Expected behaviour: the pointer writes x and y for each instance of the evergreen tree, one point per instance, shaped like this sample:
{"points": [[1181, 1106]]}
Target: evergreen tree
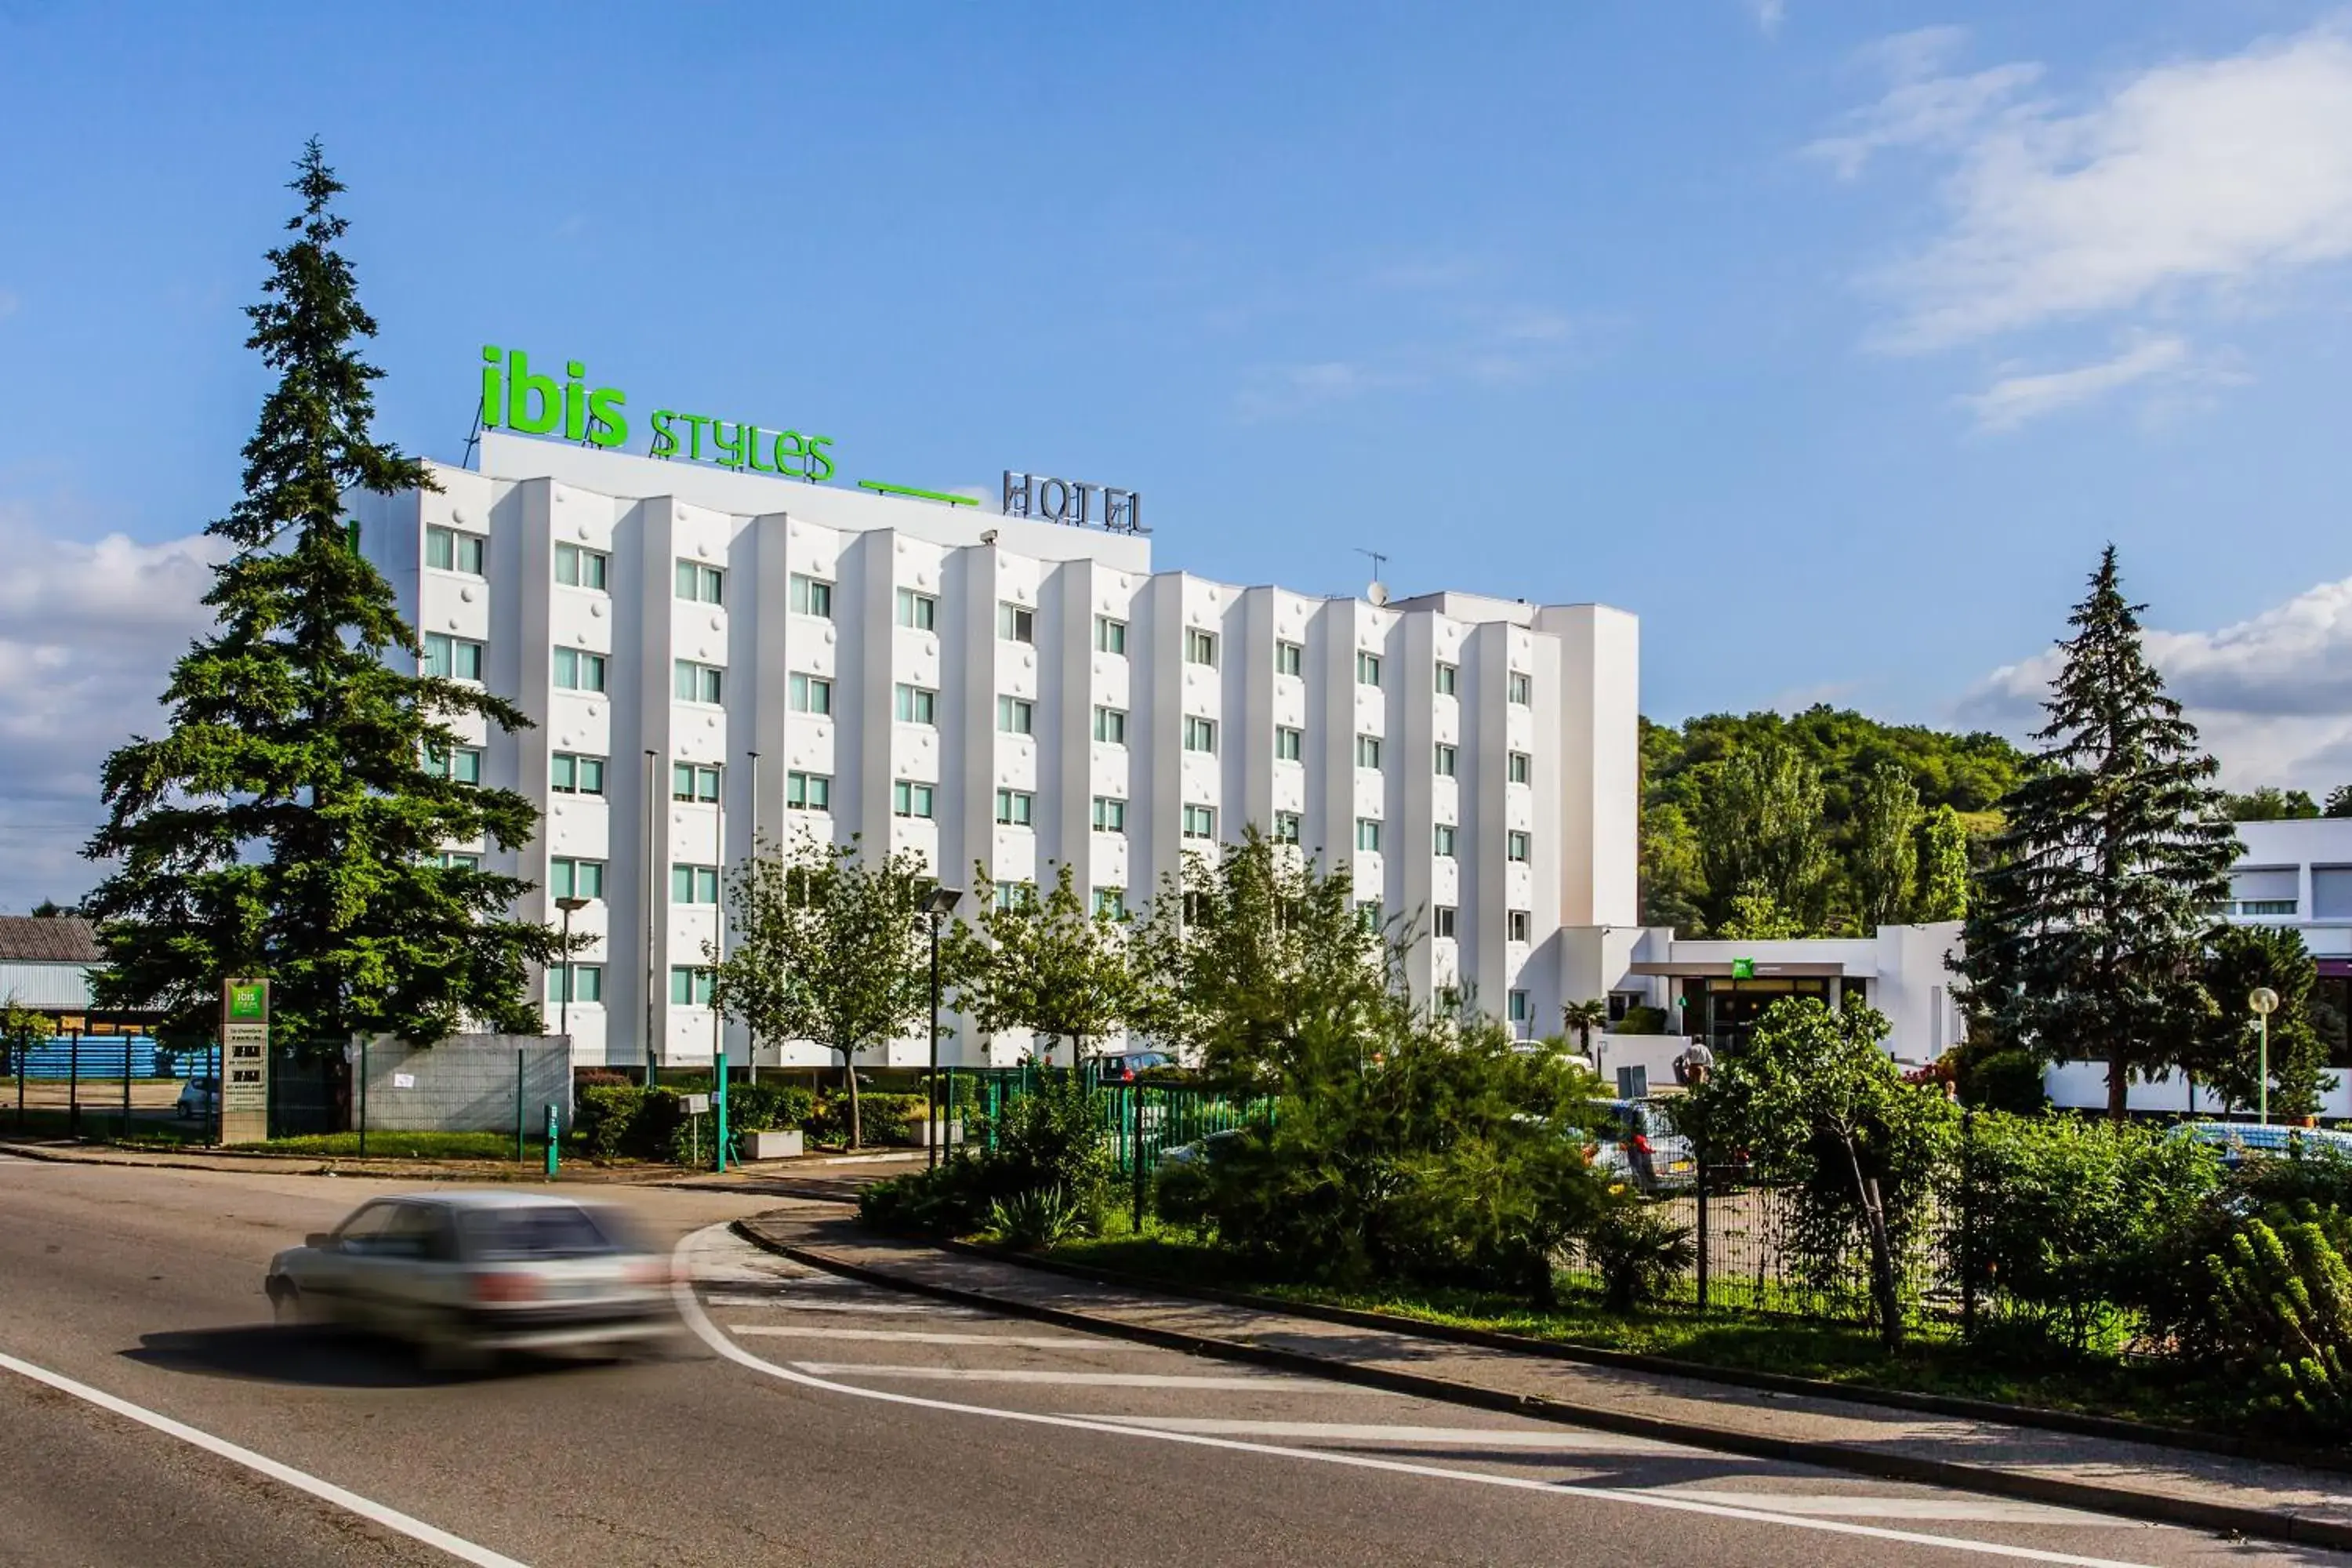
{"points": [[288, 824], [1943, 868], [2088, 931], [1886, 846]]}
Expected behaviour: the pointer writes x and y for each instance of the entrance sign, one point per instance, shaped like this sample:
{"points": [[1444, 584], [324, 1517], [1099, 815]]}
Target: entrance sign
{"points": [[245, 1061], [534, 403], [1068, 502], [1743, 969]]}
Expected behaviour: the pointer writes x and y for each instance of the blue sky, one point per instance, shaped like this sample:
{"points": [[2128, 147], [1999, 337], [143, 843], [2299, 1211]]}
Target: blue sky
{"points": [[1833, 339]]}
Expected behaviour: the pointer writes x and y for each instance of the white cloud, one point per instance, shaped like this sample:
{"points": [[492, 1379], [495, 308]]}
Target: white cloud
{"points": [[1276, 391], [2015, 399], [1921, 109], [2270, 696], [1769, 15], [2187, 183]]}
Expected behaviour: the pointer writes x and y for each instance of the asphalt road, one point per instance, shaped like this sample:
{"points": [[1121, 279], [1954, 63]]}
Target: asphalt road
{"points": [[805, 1419]]}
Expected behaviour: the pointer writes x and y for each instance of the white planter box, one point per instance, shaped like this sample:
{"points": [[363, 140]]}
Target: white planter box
{"points": [[771, 1145], [929, 1132]]}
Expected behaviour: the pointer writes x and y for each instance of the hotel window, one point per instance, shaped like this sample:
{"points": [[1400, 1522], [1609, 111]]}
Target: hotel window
{"points": [[1515, 845], [1110, 635], [1368, 750], [1015, 895], [446, 550], [1449, 678], [461, 764], [1441, 921], [577, 669], [1200, 734], [692, 682], [1016, 716], [808, 792], [1371, 915], [689, 986], [811, 596], [1290, 744], [693, 781], [1200, 822], [576, 567], [1110, 726], [1290, 826], [703, 584], [809, 694], [1200, 647], [919, 611], [1289, 658], [1446, 759], [1016, 623], [1016, 807], [1110, 814], [693, 884], [460, 860], [1515, 927], [452, 658], [1367, 669], [1110, 903], [570, 774], [571, 878], [1522, 768], [587, 982], [1522, 689], [1368, 835], [1446, 832], [1520, 1011], [917, 704], [909, 799]]}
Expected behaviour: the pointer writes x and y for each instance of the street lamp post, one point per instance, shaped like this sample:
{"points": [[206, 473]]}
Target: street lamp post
{"points": [[940, 905], [2264, 1001], [569, 907]]}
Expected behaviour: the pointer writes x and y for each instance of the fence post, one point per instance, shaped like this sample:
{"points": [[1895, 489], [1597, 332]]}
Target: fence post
{"points": [[718, 1107], [1968, 1224], [73, 1087], [519, 1119], [362, 1097], [1135, 1150], [126, 1088], [1701, 1162], [23, 1054]]}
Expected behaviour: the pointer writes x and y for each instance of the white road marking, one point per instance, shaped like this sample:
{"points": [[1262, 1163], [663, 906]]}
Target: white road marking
{"points": [[708, 1332], [920, 1337], [876, 1309], [326, 1491], [1562, 1441], [1064, 1379], [1850, 1505]]}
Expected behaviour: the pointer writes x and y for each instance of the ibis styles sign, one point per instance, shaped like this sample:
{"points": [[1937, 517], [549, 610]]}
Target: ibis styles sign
{"points": [[534, 403]]}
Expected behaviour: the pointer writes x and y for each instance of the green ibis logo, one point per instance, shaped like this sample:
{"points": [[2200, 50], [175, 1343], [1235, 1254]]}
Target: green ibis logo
{"points": [[534, 403]]}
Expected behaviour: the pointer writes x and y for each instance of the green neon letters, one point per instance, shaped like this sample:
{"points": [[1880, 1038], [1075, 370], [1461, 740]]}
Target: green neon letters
{"points": [[516, 398], [741, 446]]}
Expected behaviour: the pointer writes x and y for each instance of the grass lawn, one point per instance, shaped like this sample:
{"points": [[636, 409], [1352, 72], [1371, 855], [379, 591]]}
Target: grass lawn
{"points": [[388, 1145]]}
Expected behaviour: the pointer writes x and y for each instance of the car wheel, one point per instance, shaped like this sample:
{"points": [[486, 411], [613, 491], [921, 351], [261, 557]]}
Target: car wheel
{"points": [[286, 1303]]}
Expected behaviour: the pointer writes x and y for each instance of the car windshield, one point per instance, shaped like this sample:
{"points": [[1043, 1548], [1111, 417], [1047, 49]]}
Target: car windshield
{"points": [[537, 1230]]}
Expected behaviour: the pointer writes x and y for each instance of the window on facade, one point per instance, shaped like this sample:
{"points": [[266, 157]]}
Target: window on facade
{"points": [[809, 694], [1368, 835], [1446, 832], [577, 669], [1290, 826], [577, 566], [1290, 744], [808, 792], [1441, 921], [1370, 914], [572, 878], [462, 765], [1200, 647], [703, 584], [809, 595], [1368, 750], [919, 611], [1367, 669], [1016, 807], [447, 549], [689, 986], [587, 982], [460, 860], [692, 682], [1447, 759], [1015, 895], [1200, 822], [1289, 658], [1110, 726], [1522, 689], [1516, 844], [693, 884], [1110, 814], [693, 781], [1520, 1008], [1016, 715], [1110, 903], [452, 658], [569, 772], [909, 799], [1200, 734], [1110, 635], [1016, 623], [1516, 923], [1522, 768], [915, 704], [1449, 678]]}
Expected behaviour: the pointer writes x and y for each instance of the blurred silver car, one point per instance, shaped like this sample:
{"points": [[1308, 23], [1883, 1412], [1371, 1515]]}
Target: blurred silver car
{"points": [[465, 1275], [199, 1096]]}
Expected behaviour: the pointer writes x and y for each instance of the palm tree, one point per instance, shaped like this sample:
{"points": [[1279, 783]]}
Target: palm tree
{"points": [[1581, 1018]]}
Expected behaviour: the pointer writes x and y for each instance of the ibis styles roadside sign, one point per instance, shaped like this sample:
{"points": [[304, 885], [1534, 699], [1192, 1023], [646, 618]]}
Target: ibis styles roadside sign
{"points": [[245, 1061], [534, 403]]}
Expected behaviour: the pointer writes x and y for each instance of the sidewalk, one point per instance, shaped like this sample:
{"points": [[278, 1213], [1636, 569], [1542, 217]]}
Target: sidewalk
{"points": [[2142, 1480]]}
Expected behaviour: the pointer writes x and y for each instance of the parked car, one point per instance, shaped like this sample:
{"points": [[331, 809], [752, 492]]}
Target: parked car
{"points": [[1126, 1066], [199, 1096], [2242, 1140], [1205, 1149], [465, 1275], [1640, 1134]]}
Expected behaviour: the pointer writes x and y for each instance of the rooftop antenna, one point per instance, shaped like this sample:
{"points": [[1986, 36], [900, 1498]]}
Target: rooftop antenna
{"points": [[1378, 593], [473, 440]]}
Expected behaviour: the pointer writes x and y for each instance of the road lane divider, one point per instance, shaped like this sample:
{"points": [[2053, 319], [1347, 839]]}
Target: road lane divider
{"points": [[349, 1501]]}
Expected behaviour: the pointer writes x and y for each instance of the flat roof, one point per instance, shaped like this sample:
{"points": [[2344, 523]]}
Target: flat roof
{"points": [[1720, 969]]}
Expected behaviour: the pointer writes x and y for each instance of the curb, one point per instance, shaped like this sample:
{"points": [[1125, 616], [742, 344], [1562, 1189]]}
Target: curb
{"points": [[317, 1166], [2150, 1506]]}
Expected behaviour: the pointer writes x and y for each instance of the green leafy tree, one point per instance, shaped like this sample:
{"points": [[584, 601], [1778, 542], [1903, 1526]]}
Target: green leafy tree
{"points": [[1045, 964], [2269, 803], [2089, 927], [830, 947], [1759, 830], [2339, 802], [288, 825], [21, 1028], [1885, 857], [2227, 1054], [1943, 868], [1755, 915]]}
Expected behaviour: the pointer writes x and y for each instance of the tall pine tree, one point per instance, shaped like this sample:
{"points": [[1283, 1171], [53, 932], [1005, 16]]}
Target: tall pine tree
{"points": [[2087, 933], [288, 825]]}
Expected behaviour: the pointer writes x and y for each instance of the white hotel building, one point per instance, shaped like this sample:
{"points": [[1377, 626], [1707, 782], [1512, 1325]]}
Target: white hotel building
{"points": [[770, 656]]}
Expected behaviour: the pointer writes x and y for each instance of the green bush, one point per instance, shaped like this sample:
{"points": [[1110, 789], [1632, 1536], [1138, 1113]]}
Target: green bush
{"points": [[1051, 1140], [2284, 1300], [2004, 1081], [1638, 1252], [623, 1121], [768, 1108], [1037, 1219], [884, 1118]]}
